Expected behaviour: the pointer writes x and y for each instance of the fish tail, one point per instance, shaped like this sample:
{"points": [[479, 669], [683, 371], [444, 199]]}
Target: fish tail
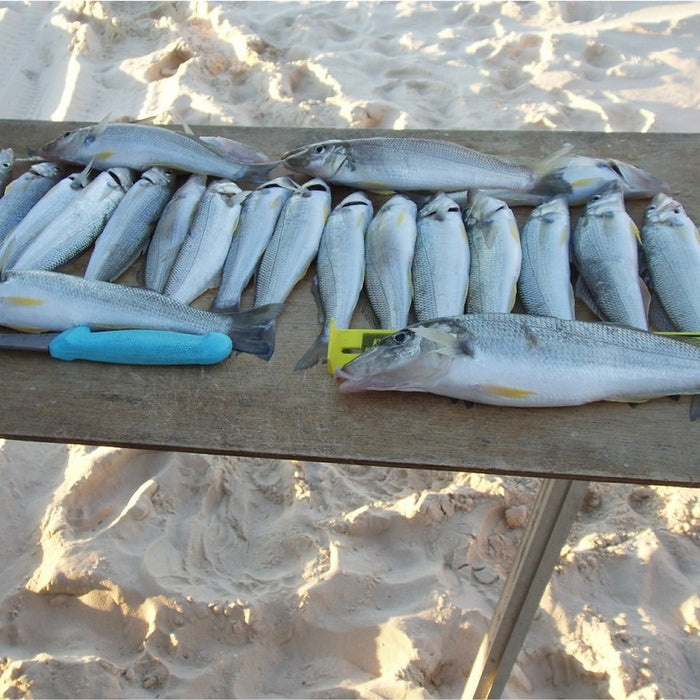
{"points": [[254, 331], [315, 354], [258, 173], [548, 172]]}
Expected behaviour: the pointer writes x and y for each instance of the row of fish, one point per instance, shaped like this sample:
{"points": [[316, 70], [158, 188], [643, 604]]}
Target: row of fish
{"points": [[415, 262]]}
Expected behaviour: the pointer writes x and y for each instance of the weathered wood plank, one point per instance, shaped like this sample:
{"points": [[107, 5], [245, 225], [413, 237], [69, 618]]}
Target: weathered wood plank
{"points": [[248, 407]]}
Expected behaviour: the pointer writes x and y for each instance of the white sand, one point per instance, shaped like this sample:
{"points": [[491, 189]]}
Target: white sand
{"points": [[136, 574]]}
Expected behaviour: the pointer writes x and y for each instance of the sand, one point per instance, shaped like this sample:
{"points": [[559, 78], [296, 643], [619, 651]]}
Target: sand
{"points": [[146, 574]]}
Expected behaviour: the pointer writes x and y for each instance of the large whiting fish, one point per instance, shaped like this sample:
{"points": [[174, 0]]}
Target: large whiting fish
{"points": [[496, 255], [340, 270], [671, 245], [126, 234], [389, 248], [170, 231], [294, 242], [407, 164], [24, 192], [141, 147], [77, 226], [259, 214], [41, 215], [544, 284], [201, 258], [605, 251], [440, 270], [519, 360], [37, 300]]}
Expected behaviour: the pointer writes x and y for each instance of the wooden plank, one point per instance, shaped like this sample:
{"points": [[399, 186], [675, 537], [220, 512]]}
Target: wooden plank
{"points": [[248, 407], [547, 528]]}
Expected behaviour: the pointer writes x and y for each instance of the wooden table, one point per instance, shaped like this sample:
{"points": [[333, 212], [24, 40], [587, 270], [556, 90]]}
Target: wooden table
{"points": [[246, 406]]}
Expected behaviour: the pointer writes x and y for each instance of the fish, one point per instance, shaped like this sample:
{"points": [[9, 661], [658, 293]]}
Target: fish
{"points": [[544, 284], [128, 231], [294, 242], [577, 178], [389, 248], [41, 215], [259, 214], [24, 192], [171, 230], [605, 252], [140, 147], [582, 177], [526, 361], [406, 164], [340, 270], [440, 270], [201, 258], [7, 162], [40, 300], [496, 254], [671, 247], [77, 226]]}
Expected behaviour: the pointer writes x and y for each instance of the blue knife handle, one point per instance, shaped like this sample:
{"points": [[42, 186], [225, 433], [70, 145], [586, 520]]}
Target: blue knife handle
{"points": [[141, 347]]}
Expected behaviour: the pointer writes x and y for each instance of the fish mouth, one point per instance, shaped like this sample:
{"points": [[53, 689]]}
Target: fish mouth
{"points": [[348, 383]]}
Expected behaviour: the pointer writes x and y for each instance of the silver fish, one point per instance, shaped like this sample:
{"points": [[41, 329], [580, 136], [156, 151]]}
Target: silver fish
{"points": [[75, 229], [440, 270], [141, 147], [201, 258], [41, 215], [7, 162], [671, 245], [405, 164], [544, 284], [24, 192], [389, 248], [259, 214], [38, 300], [605, 251], [126, 234], [170, 231], [519, 360], [496, 255], [582, 177], [340, 270], [294, 243], [234, 150]]}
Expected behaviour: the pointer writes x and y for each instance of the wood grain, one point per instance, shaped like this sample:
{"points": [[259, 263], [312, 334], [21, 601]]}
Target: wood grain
{"points": [[246, 406]]}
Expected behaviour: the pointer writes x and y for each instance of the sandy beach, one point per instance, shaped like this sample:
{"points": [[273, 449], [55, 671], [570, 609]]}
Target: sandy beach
{"points": [[156, 574]]}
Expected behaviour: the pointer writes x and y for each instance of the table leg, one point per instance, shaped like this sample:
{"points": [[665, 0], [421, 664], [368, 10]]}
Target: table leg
{"points": [[546, 531]]}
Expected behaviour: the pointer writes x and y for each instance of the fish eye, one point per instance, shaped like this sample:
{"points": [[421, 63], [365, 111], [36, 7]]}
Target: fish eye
{"points": [[400, 338], [319, 149]]}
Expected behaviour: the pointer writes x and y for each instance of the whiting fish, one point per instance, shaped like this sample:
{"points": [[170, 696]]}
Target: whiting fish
{"points": [[526, 361], [37, 300]]}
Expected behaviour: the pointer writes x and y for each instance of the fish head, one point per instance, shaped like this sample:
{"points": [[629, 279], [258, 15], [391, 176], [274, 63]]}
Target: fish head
{"points": [[439, 207], [324, 159], [70, 146], [163, 177], [408, 360], [608, 200], [664, 209], [637, 183]]}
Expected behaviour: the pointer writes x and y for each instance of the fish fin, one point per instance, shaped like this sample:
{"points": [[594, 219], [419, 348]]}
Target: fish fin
{"points": [[316, 293], [646, 295], [258, 173], [695, 408], [187, 129], [83, 176], [447, 343], [253, 331], [101, 125], [548, 172], [315, 354], [508, 392]]}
